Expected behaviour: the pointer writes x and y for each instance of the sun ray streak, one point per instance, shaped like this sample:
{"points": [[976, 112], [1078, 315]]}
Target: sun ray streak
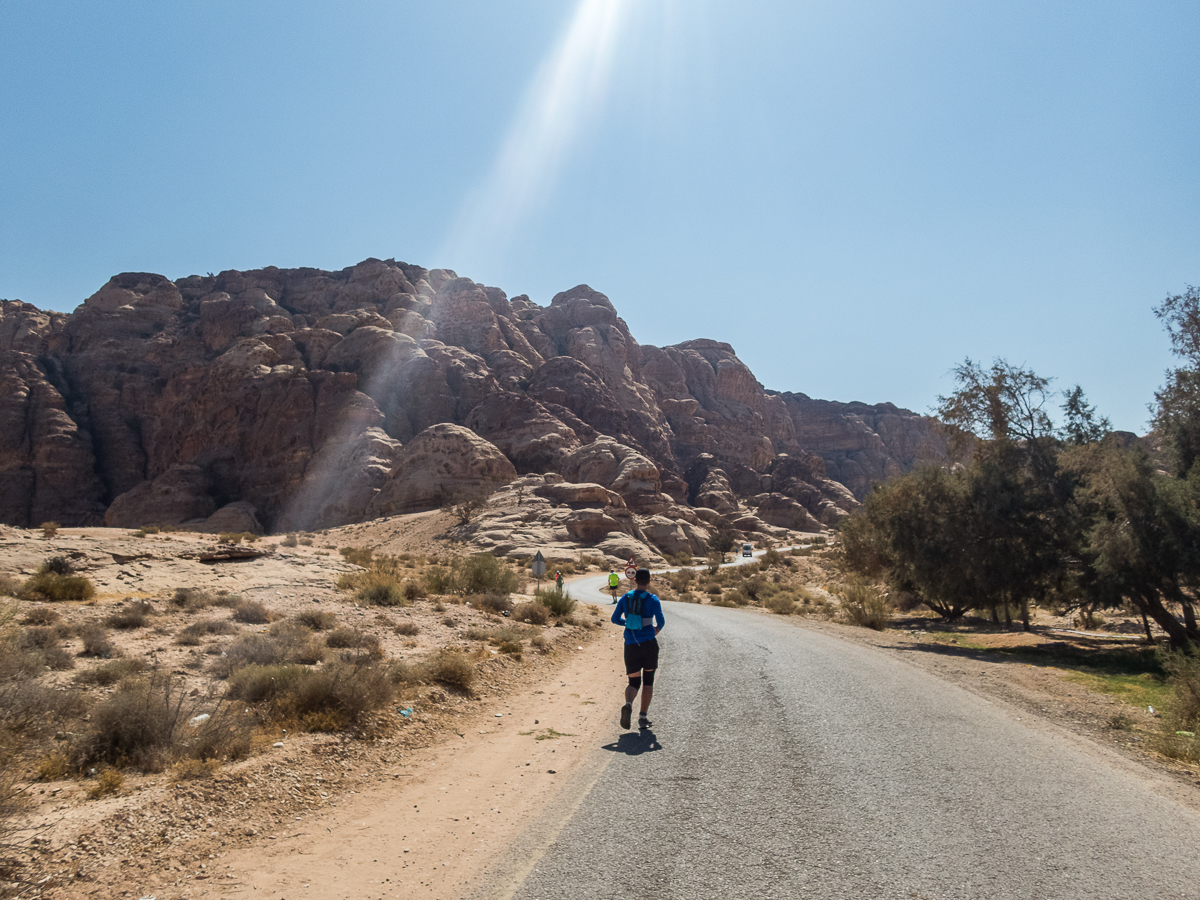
{"points": [[567, 90]]}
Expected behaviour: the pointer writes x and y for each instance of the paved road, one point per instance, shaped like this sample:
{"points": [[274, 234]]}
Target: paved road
{"points": [[786, 763]]}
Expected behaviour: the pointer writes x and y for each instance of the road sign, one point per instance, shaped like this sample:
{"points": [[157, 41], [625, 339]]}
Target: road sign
{"points": [[539, 565], [631, 568]]}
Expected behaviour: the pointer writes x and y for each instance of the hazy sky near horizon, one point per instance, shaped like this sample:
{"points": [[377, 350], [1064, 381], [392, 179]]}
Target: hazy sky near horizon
{"points": [[855, 195]]}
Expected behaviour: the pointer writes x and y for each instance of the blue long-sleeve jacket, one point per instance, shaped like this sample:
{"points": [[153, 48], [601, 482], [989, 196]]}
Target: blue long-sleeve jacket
{"points": [[652, 616]]}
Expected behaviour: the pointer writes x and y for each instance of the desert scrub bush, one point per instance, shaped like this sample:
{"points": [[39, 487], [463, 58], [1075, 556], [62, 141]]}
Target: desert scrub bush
{"points": [[132, 615], [96, 642], [251, 612], [782, 604], [268, 650], [44, 644], [681, 580], [482, 573], [50, 529], [111, 672], [290, 541], [336, 696], [439, 580], [496, 603], [358, 556], [736, 597], [559, 602], [1183, 678], [54, 581], [136, 726], [864, 605], [753, 587], [451, 667], [107, 781], [306, 541], [192, 635], [41, 615], [353, 639], [9, 586], [539, 642], [147, 529], [407, 628], [380, 589], [532, 612], [315, 619], [192, 599]]}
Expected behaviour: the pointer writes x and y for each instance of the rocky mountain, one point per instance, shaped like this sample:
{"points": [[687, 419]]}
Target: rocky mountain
{"points": [[299, 399]]}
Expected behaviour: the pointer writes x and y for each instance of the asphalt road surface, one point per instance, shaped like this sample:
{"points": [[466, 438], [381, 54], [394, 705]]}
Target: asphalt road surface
{"points": [[785, 763]]}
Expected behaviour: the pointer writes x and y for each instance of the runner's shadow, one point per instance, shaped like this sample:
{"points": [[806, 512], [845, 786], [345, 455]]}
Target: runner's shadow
{"points": [[634, 743]]}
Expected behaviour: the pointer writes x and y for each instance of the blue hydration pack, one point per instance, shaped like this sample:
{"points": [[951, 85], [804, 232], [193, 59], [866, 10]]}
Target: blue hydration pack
{"points": [[635, 607]]}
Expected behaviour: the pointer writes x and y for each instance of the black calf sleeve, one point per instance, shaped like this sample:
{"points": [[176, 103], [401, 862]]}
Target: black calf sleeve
{"points": [[650, 677], [635, 682]]}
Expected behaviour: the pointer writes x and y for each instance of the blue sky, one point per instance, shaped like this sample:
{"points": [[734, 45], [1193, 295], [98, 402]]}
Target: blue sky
{"points": [[855, 195]]}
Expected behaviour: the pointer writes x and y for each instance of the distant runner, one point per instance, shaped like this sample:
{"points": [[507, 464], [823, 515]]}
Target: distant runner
{"points": [[614, 581], [641, 614]]}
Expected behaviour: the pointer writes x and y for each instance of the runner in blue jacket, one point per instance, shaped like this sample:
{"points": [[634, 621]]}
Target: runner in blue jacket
{"points": [[641, 613]]}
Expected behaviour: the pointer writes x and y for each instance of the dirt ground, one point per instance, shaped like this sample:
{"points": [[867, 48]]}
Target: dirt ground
{"points": [[440, 792]]}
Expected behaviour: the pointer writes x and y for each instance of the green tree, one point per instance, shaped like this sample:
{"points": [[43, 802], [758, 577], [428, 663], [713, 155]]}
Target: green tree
{"points": [[1142, 536], [1083, 425], [1177, 409]]}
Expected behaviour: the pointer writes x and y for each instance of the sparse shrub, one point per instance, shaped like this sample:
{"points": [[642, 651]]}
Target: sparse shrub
{"points": [[512, 648], [782, 604], [50, 529], [560, 603], [192, 635], [306, 541], [482, 573], [108, 781], [1183, 677], [439, 580], [753, 587], [194, 769], [96, 642], [497, 603], [316, 619], [532, 612], [357, 556], [738, 598], [147, 529], [412, 590], [452, 667], [251, 612], [56, 565], [290, 541], [9, 586], [27, 707], [193, 599], [351, 639], [41, 615], [51, 586], [335, 696], [229, 537], [111, 672], [408, 627], [539, 642], [864, 605], [477, 633], [131, 615], [382, 590], [281, 647], [136, 726], [53, 766]]}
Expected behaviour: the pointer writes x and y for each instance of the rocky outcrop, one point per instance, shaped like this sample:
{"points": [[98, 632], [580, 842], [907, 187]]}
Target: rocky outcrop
{"points": [[443, 462], [863, 444], [300, 399]]}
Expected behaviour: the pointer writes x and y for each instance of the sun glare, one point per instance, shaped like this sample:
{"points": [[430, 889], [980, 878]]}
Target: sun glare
{"points": [[567, 90]]}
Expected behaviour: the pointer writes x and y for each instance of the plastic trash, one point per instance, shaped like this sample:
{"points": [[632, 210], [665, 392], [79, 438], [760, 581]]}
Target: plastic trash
{"points": [[407, 713], [197, 721]]}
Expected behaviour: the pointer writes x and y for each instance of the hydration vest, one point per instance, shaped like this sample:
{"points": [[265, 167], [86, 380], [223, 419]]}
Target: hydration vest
{"points": [[635, 608]]}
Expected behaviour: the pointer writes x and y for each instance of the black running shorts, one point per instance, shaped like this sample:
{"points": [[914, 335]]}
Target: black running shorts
{"points": [[641, 656]]}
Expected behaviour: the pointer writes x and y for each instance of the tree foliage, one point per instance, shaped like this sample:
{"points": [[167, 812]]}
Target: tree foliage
{"points": [[1036, 513], [1177, 410]]}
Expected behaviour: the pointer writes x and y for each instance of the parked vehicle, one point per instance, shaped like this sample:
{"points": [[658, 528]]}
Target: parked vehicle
{"points": [[747, 549]]}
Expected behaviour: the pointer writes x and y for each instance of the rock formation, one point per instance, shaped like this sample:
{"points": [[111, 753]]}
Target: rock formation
{"points": [[299, 399]]}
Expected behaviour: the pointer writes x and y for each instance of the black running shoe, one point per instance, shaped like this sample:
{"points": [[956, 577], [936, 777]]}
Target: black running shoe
{"points": [[626, 714], [643, 722]]}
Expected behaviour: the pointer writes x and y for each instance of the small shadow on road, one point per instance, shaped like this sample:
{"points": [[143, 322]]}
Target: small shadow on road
{"points": [[634, 743]]}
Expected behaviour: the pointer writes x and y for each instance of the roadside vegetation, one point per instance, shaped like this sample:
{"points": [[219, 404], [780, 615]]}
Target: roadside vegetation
{"points": [[1076, 520]]}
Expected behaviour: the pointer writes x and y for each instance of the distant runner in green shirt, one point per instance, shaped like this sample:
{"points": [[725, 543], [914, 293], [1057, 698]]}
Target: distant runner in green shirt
{"points": [[614, 582]]}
